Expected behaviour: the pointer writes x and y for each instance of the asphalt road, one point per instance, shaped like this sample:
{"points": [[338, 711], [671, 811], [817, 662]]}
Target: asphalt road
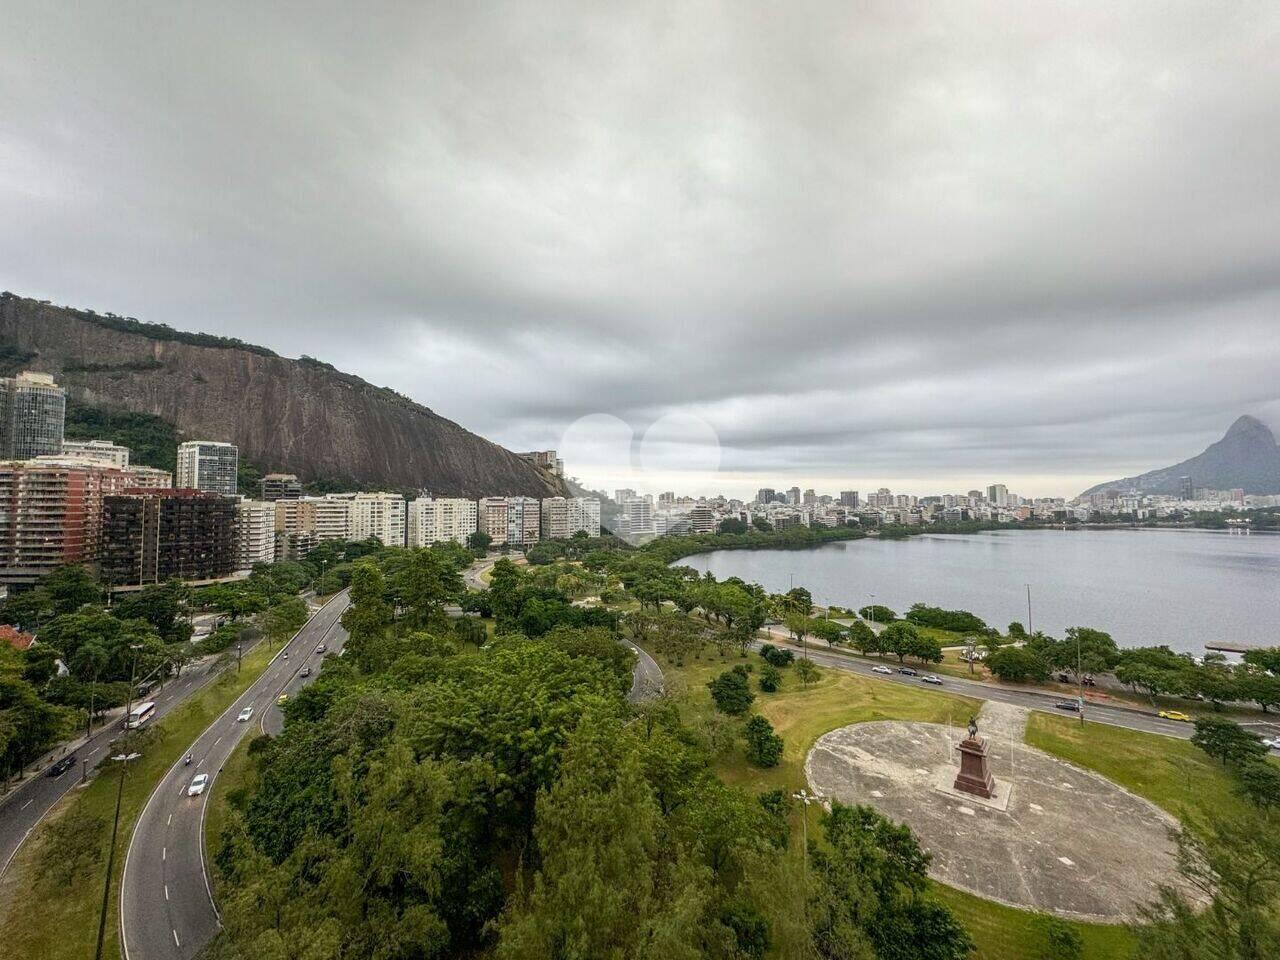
{"points": [[27, 805], [1093, 713], [646, 676], [166, 906], [471, 575]]}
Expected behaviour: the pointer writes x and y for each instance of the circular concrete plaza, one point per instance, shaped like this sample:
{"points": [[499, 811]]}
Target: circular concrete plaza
{"points": [[1055, 837]]}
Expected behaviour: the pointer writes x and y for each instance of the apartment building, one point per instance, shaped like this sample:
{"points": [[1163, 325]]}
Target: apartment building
{"points": [[148, 477], [279, 486], [524, 521], [255, 533], [442, 520], [702, 520], [150, 536], [51, 515], [32, 413], [491, 518], [562, 517], [295, 528], [100, 452], [208, 466], [332, 517], [380, 515]]}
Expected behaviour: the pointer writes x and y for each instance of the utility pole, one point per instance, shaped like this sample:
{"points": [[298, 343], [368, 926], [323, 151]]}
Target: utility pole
{"points": [[1029, 630], [123, 759], [237, 659], [805, 797], [1079, 680]]}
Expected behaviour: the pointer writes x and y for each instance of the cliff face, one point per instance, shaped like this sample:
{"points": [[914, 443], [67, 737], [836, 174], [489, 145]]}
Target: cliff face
{"points": [[1247, 458], [297, 415]]}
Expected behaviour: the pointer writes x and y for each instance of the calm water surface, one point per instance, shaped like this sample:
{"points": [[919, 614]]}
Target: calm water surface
{"points": [[1177, 587]]}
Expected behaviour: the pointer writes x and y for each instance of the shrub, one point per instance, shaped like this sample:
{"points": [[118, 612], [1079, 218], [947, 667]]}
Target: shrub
{"points": [[770, 679], [731, 693], [779, 657], [764, 747]]}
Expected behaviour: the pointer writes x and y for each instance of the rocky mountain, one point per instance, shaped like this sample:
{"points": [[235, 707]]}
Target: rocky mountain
{"points": [[301, 415], [1247, 457]]}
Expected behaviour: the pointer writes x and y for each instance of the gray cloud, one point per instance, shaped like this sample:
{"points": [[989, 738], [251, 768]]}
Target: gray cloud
{"points": [[864, 241]]}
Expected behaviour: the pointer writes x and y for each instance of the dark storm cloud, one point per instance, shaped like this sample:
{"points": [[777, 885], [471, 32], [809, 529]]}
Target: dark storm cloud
{"points": [[863, 241]]}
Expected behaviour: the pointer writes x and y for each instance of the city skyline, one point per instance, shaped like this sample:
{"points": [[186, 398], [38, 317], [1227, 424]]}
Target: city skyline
{"points": [[917, 247]]}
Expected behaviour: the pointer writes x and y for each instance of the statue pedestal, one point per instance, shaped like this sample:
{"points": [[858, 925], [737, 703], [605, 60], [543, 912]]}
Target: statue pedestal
{"points": [[975, 773]]}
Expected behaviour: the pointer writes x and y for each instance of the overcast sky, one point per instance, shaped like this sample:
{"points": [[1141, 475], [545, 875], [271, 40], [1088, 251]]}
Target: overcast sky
{"points": [[699, 246]]}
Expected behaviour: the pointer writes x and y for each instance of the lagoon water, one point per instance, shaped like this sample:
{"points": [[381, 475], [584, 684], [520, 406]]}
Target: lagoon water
{"points": [[1182, 588]]}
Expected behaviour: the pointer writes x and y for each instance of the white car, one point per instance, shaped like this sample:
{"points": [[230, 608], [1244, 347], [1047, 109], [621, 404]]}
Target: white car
{"points": [[245, 714], [881, 669], [198, 784], [934, 679], [1272, 744]]}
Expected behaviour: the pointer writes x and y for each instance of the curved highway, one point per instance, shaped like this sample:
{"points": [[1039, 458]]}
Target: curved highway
{"points": [[166, 905], [23, 809]]}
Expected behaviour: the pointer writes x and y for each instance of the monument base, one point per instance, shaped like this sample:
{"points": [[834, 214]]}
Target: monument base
{"points": [[975, 773]]}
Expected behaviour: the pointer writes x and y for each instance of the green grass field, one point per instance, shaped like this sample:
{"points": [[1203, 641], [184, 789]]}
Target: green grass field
{"points": [[39, 918], [1170, 773]]}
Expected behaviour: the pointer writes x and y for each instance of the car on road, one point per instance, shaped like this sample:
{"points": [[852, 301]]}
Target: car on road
{"points": [[304, 672], [1272, 744], [934, 679], [322, 650], [245, 714], [907, 672], [282, 698], [63, 765], [881, 669], [1071, 705], [1174, 715], [198, 784]]}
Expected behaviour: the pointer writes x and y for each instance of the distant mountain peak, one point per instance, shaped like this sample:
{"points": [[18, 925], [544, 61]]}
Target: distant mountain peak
{"points": [[1247, 425], [1246, 458]]}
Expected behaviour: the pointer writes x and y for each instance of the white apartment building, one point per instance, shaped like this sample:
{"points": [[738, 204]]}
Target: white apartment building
{"points": [[101, 452], [380, 515], [637, 516], [441, 520], [256, 533], [332, 516], [524, 521], [562, 517], [584, 515], [702, 520], [209, 466], [491, 518], [149, 477]]}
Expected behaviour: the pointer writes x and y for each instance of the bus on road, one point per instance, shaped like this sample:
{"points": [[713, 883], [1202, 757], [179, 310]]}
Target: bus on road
{"points": [[140, 715]]}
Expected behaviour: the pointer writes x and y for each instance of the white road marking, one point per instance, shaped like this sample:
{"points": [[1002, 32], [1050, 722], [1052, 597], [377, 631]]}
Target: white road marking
{"points": [[166, 891], [169, 821], [176, 941], [216, 742], [164, 853], [28, 803]]}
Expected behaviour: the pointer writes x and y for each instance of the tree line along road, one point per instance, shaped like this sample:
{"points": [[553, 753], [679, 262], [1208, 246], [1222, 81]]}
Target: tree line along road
{"points": [[23, 809], [166, 903]]}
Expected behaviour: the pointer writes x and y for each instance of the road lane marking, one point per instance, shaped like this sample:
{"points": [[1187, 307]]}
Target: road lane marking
{"points": [[164, 853], [176, 941], [216, 742], [166, 891], [28, 803], [169, 821]]}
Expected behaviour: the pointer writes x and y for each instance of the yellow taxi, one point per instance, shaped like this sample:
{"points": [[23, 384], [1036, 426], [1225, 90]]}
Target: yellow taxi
{"points": [[282, 698], [1174, 715]]}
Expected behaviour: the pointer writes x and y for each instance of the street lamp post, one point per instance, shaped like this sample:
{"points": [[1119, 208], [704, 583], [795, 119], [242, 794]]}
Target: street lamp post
{"points": [[1079, 680], [1029, 630], [805, 797], [123, 759], [238, 659]]}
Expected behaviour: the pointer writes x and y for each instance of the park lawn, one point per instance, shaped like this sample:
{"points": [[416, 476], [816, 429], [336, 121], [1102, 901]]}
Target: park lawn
{"points": [[39, 919], [1006, 933], [1171, 773], [802, 714]]}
